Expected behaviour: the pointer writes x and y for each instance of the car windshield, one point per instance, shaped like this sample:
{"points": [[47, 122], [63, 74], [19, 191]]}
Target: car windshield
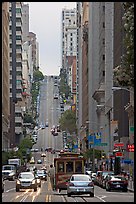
{"points": [[80, 178], [118, 177], [26, 176], [106, 173], [40, 172]]}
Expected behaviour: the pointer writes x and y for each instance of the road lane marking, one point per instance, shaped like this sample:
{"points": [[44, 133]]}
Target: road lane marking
{"points": [[10, 190], [101, 198]]}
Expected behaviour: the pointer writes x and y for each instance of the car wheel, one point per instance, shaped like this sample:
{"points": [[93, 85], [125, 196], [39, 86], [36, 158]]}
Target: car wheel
{"points": [[40, 185], [91, 194], [35, 189], [69, 194], [17, 189], [13, 178]]}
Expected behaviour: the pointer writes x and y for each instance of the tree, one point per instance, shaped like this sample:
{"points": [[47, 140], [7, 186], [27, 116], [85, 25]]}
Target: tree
{"points": [[28, 118], [38, 75], [64, 87], [68, 121], [124, 73], [26, 143]]}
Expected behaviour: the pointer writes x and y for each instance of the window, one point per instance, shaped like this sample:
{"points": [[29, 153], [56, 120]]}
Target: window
{"points": [[78, 166], [103, 8], [103, 57], [103, 24], [18, 10], [18, 37], [69, 167], [60, 166]]}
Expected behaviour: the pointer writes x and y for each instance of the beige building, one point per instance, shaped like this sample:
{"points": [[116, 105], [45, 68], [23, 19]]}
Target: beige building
{"points": [[5, 75]]}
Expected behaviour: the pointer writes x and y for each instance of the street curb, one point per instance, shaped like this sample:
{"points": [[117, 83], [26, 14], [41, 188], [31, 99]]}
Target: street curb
{"points": [[131, 190]]}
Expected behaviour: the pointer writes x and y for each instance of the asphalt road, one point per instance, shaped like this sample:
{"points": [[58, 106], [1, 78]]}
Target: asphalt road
{"points": [[45, 194], [49, 110]]}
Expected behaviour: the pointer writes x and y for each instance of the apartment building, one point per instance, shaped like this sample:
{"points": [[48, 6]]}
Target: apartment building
{"points": [[32, 41], [25, 19], [68, 37], [5, 76], [16, 114], [79, 72]]}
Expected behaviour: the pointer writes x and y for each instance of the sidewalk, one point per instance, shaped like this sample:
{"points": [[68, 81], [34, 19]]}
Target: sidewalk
{"points": [[131, 185]]}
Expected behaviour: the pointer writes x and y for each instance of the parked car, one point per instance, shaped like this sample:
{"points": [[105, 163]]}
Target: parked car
{"points": [[103, 175], [26, 180], [41, 174], [9, 172], [56, 96], [117, 182], [80, 184]]}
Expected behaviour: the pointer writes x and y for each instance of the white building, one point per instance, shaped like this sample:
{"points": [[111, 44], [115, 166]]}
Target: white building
{"points": [[69, 39], [25, 19]]}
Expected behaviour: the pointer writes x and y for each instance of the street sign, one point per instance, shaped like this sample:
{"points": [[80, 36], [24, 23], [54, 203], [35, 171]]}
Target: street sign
{"points": [[119, 145], [100, 144], [119, 154], [127, 161], [130, 147]]}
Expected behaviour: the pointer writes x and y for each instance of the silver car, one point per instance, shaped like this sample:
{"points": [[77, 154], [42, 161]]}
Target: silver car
{"points": [[26, 180], [80, 184]]}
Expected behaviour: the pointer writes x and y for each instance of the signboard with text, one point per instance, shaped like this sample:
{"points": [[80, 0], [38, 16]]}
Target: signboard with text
{"points": [[118, 154], [118, 145]]}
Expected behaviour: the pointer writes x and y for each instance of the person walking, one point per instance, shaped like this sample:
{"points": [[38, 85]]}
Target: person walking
{"points": [[51, 174]]}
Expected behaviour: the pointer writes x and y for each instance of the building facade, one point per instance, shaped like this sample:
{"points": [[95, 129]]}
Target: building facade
{"points": [[25, 19], [16, 114], [68, 35], [5, 76]]}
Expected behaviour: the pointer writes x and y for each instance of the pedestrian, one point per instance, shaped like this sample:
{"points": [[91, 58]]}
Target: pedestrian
{"points": [[51, 174]]}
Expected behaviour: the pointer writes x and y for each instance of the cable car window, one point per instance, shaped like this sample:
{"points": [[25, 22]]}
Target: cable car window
{"points": [[69, 167], [78, 166], [60, 166]]}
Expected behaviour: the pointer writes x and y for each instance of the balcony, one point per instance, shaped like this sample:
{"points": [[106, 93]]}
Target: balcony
{"points": [[18, 120], [18, 130]]}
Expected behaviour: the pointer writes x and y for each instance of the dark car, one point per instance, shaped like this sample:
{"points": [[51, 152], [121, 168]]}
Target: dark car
{"points": [[55, 133], [117, 182], [26, 180], [42, 174]]}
